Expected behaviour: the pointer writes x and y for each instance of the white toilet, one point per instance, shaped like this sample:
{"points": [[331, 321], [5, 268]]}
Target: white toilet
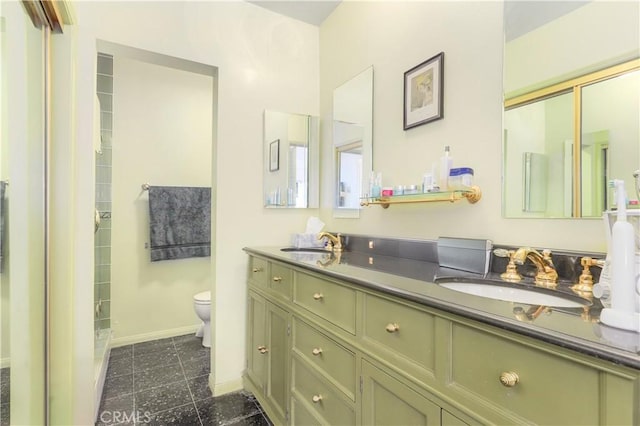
{"points": [[202, 306]]}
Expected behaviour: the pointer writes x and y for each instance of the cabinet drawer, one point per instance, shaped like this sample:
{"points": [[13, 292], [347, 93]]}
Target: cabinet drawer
{"points": [[258, 271], [333, 302], [337, 363], [394, 327], [302, 416], [550, 389], [281, 280], [323, 400]]}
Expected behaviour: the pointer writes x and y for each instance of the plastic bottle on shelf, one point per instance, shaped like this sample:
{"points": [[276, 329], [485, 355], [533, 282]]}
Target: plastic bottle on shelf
{"points": [[445, 166]]}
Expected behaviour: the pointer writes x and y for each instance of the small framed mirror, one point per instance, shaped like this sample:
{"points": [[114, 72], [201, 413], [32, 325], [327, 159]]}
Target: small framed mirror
{"points": [[291, 155], [352, 142]]}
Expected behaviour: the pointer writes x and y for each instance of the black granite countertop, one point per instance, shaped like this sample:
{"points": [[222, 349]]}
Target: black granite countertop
{"points": [[574, 328]]}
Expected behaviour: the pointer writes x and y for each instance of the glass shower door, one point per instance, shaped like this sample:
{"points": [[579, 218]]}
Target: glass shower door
{"points": [[22, 213]]}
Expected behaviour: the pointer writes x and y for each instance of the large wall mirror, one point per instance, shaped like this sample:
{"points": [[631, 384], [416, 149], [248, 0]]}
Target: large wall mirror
{"points": [[572, 106], [352, 142], [291, 152]]}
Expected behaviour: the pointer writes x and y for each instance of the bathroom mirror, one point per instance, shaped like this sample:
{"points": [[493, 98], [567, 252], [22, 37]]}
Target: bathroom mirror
{"points": [[352, 142], [572, 106], [291, 152]]}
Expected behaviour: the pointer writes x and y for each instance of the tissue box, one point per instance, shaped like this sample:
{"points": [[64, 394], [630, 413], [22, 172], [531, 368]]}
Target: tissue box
{"points": [[465, 254], [306, 241]]}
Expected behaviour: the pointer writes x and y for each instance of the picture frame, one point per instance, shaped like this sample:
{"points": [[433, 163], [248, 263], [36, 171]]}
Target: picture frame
{"points": [[274, 156], [424, 92]]}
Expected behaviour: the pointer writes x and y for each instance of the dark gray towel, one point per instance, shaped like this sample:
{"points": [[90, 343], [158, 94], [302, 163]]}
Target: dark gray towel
{"points": [[3, 185], [179, 222]]}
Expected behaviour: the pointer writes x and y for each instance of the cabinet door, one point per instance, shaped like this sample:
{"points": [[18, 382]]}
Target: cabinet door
{"points": [[449, 419], [387, 401], [278, 359], [257, 341]]}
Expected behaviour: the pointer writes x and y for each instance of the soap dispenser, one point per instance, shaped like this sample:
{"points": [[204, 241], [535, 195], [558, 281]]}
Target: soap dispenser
{"points": [[624, 311]]}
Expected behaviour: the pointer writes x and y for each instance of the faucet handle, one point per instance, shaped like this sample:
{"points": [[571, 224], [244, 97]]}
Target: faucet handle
{"points": [[503, 252], [585, 281], [511, 273]]}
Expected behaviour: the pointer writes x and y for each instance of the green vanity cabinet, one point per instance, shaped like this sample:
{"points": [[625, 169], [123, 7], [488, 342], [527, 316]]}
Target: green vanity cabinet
{"points": [[507, 376], [280, 281], [327, 300], [332, 360], [322, 351], [258, 271], [449, 419], [268, 351], [388, 401], [256, 370], [320, 396], [397, 330]]}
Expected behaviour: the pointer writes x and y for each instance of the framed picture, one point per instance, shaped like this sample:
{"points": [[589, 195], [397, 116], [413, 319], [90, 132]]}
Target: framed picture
{"points": [[274, 156], [423, 92]]}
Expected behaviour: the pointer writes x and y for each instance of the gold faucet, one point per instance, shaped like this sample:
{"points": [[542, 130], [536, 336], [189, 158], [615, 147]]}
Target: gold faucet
{"points": [[334, 243], [546, 275], [585, 281], [511, 273], [530, 314], [330, 259]]}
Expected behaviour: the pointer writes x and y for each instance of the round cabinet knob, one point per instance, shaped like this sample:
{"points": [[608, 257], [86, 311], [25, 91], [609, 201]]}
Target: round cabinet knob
{"points": [[316, 351], [257, 269], [509, 379], [392, 328], [277, 279], [316, 398], [263, 349], [318, 296]]}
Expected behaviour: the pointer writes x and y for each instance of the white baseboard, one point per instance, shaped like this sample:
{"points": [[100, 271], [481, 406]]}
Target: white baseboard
{"points": [[145, 337], [5, 362], [227, 387]]}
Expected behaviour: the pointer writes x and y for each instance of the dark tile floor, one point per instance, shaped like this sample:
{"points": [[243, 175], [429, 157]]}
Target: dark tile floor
{"points": [[165, 382], [5, 392]]}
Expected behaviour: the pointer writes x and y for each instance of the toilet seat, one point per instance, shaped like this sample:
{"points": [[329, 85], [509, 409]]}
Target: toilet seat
{"points": [[204, 297]]}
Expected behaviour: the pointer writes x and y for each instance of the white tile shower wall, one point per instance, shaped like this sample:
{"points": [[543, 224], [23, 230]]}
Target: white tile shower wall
{"points": [[102, 282]]}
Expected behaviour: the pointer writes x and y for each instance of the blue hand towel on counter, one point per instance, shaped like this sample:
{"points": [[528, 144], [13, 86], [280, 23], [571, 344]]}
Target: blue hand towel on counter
{"points": [[179, 222]]}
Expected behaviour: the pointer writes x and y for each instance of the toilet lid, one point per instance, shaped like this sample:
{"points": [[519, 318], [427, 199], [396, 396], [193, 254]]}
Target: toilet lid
{"points": [[205, 296]]}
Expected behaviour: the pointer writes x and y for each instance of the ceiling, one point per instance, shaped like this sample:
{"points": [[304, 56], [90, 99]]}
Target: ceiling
{"points": [[312, 12], [521, 16]]}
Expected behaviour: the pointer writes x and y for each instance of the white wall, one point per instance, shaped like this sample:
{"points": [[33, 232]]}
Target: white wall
{"points": [[162, 134], [265, 61], [394, 37]]}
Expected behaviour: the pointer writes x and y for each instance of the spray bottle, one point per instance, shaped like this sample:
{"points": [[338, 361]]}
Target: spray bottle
{"points": [[624, 312]]}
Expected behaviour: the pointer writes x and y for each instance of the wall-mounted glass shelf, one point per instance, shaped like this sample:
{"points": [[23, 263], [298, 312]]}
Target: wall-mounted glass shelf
{"points": [[472, 195]]}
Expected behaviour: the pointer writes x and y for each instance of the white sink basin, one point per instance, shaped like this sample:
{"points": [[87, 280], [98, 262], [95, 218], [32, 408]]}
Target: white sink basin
{"points": [[518, 295]]}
